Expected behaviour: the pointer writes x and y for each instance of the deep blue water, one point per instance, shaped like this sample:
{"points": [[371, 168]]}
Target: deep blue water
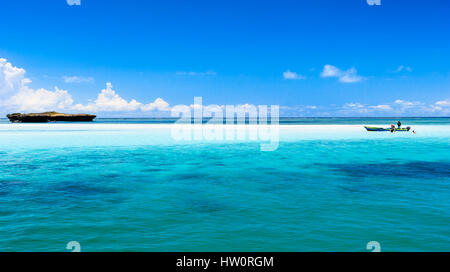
{"points": [[135, 189]]}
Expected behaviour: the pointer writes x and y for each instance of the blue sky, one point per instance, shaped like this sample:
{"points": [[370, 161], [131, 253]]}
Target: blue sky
{"points": [[313, 58]]}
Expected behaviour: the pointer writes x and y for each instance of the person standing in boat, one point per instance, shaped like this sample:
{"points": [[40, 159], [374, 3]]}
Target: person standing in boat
{"points": [[399, 124]]}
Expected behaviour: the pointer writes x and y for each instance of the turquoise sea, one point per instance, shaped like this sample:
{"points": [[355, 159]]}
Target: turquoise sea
{"points": [[128, 185]]}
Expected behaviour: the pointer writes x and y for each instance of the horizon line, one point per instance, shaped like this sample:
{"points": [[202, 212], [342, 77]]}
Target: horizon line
{"points": [[317, 117]]}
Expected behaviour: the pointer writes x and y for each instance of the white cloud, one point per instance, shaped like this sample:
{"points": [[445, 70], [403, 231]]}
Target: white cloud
{"points": [[348, 76], [77, 79], [416, 108], [352, 108], [16, 95], [292, 75], [406, 104], [353, 105], [442, 106], [11, 78], [331, 71], [158, 104], [398, 108], [311, 107], [40, 100], [208, 73], [402, 68], [381, 107], [443, 103], [108, 100], [74, 2]]}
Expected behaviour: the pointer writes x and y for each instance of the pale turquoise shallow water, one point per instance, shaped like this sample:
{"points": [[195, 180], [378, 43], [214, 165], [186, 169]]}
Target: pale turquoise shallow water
{"points": [[132, 187]]}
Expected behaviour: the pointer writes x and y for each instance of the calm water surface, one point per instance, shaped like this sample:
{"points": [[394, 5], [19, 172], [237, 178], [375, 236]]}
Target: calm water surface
{"points": [[116, 187]]}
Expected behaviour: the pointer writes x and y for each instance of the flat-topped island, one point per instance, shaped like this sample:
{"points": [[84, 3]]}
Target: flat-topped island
{"points": [[49, 117]]}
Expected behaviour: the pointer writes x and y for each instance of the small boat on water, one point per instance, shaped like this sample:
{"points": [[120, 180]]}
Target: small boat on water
{"points": [[386, 129]]}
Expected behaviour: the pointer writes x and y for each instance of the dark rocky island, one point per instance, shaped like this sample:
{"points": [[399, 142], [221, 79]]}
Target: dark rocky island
{"points": [[49, 117]]}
